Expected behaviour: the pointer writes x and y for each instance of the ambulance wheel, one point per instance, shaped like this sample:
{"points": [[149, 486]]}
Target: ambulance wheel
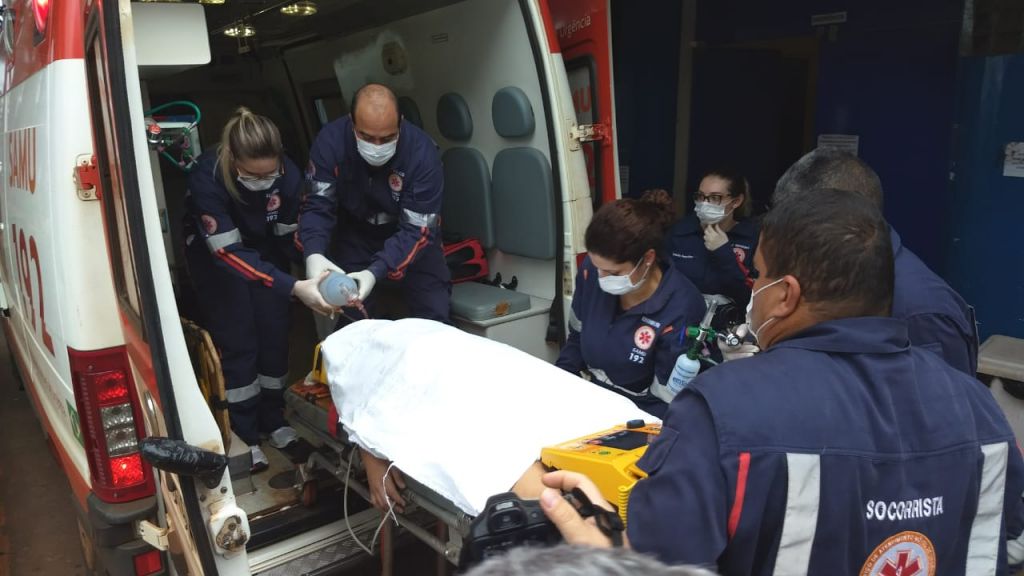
{"points": [[309, 493]]}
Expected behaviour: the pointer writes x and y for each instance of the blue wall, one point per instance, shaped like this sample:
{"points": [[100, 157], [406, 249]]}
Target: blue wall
{"points": [[986, 263], [645, 48], [889, 77]]}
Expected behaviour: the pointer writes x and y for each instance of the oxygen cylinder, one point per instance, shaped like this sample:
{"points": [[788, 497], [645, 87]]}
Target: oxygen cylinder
{"points": [[685, 370]]}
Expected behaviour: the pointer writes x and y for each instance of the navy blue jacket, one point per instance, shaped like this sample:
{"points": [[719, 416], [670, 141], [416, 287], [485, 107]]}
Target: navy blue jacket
{"points": [[251, 240], [833, 451], [938, 318], [391, 211], [725, 271], [629, 347]]}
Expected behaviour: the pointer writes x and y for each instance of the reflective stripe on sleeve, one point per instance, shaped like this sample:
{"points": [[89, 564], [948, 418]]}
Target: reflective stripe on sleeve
{"points": [[419, 219], [983, 545], [284, 229], [223, 240]]}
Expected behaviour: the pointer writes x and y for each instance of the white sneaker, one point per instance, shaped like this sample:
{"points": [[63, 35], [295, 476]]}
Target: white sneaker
{"points": [[283, 436], [259, 460]]}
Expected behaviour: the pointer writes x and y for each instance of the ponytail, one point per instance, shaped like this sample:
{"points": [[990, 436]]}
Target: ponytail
{"points": [[246, 136]]}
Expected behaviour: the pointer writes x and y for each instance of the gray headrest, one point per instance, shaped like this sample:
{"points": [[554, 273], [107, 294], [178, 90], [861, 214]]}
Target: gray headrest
{"points": [[453, 117], [410, 111], [512, 113]]}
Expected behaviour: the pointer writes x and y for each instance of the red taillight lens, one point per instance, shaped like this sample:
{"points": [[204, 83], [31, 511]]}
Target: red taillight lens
{"points": [[111, 387], [110, 418], [41, 11], [127, 470], [148, 563]]}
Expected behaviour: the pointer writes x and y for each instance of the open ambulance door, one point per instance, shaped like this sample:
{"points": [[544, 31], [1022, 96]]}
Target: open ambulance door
{"points": [[584, 36], [172, 404]]}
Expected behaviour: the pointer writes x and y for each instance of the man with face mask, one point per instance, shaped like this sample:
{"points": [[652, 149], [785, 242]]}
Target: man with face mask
{"points": [[375, 185], [840, 449]]}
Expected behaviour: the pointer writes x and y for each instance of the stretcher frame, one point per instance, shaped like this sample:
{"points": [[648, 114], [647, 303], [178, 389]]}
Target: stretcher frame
{"points": [[447, 542]]}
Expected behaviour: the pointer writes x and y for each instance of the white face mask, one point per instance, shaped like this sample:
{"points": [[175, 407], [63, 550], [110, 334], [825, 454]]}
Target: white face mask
{"points": [[709, 213], [619, 285], [376, 154], [258, 185], [750, 308]]}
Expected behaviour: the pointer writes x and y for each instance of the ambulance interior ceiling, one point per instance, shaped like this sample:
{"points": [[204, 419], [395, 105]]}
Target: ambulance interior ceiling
{"points": [[293, 65]]}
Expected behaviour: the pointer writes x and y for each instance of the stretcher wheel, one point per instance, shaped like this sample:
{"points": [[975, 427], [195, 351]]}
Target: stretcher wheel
{"points": [[309, 493]]}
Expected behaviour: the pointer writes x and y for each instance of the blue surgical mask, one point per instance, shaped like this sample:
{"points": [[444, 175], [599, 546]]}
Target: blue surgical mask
{"points": [[619, 285], [750, 308], [376, 154]]}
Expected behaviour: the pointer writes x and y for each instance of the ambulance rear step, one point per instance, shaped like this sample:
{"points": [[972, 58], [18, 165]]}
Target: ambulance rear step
{"points": [[329, 549]]}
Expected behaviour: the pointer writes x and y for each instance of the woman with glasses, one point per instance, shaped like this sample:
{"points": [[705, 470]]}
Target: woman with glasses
{"points": [[714, 245], [631, 308], [241, 215]]}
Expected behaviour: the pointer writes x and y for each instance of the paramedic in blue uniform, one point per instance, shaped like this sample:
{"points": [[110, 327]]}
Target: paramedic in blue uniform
{"points": [[630, 310], [841, 448], [937, 317], [375, 183], [714, 245], [242, 205]]}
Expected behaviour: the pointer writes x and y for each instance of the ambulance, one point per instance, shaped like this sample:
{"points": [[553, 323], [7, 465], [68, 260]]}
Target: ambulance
{"points": [[104, 105]]}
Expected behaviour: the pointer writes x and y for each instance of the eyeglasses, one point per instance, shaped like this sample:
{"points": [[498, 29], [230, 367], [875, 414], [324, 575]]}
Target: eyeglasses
{"points": [[714, 198], [251, 178]]}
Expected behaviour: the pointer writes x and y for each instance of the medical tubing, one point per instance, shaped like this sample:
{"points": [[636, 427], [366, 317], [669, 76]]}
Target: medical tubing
{"points": [[344, 498], [199, 115]]}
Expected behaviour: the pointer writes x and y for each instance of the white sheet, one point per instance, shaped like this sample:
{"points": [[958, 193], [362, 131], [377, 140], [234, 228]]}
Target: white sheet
{"points": [[461, 414]]}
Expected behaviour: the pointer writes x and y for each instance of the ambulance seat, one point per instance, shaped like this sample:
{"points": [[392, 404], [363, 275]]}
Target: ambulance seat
{"points": [[410, 111], [523, 212], [466, 212]]}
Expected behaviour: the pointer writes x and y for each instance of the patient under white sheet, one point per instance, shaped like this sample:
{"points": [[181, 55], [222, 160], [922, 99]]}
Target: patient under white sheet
{"points": [[461, 414]]}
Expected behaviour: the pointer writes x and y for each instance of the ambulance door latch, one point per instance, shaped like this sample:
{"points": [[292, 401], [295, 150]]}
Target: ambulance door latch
{"points": [[587, 133], [87, 178], [154, 535]]}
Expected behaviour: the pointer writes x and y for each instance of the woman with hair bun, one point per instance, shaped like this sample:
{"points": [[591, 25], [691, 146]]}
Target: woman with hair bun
{"points": [[630, 305]]}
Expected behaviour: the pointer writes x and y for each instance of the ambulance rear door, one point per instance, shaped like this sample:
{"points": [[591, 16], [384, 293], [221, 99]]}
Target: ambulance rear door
{"points": [[172, 403], [584, 36]]}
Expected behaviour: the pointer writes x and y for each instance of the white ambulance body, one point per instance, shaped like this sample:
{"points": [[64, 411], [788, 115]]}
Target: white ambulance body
{"points": [[88, 263]]}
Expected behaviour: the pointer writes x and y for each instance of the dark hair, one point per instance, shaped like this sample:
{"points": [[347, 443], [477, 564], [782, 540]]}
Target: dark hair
{"points": [[569, 560], [829, 168], [373, 91], [837, 247], [625, 229], [736, 185]]}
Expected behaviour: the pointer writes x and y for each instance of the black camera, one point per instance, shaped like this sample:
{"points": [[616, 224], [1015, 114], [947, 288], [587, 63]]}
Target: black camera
{"points": [[507, 522]]}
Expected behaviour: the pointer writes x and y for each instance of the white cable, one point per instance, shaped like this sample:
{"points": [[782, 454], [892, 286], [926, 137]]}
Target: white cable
{"points": [[348, 473]]}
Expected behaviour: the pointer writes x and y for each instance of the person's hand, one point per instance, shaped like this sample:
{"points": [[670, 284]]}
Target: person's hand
{"points": [[366, 281], [738, 350], [574, 528], [308, 292], [317, 263], [714, 237], [382, 489]]}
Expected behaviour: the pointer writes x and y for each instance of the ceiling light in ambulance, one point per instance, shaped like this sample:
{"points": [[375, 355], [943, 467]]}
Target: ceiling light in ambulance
{"points": [[240, 31], [301, 8], [211, 1]]}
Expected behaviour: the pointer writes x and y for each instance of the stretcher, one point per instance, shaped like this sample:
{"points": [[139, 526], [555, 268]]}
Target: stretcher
{"points": [[449, 434]]}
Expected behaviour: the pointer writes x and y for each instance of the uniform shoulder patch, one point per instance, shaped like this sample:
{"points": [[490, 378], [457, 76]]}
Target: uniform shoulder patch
{"points": [[209, 223], [741, 254], [905, 554], [310, 171], [644, 337]]}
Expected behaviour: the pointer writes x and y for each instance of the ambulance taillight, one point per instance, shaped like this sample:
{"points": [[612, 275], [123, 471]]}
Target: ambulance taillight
{"points": [[111, 424], [41, 11]]}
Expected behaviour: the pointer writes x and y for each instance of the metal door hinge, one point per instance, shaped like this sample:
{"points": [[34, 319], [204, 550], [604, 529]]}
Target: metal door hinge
{"points": [[587, 133], [154, 535], [87, 178]]}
